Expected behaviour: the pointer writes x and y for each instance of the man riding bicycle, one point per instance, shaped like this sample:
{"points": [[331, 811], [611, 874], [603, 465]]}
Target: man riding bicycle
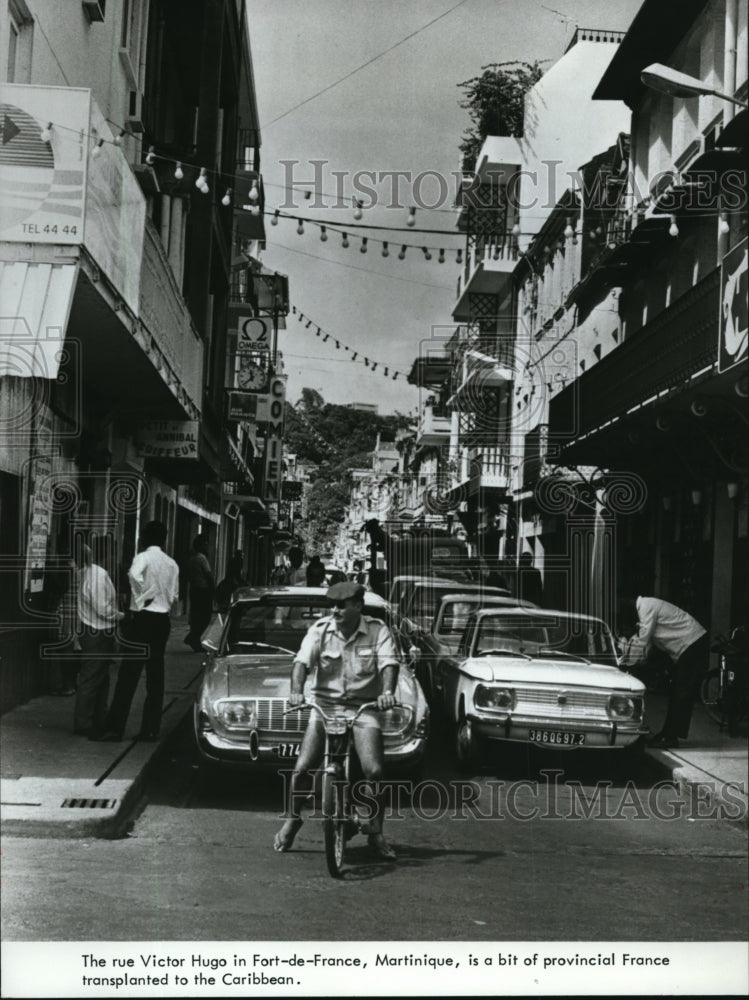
{"points": [[353, 660]]}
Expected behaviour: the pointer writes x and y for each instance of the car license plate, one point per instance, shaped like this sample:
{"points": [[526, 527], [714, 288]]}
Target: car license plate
{"points": [[288, 749], [557, 738]]}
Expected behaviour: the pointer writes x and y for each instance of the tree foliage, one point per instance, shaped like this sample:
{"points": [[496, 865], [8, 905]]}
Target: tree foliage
{"points": [[495, 102], [337, 439]]}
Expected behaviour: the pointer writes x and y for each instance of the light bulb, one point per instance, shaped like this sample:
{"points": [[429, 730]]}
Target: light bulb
{"points": [[323, 235], [569, 232], [385, 251], [226, 200], [344, 241], [201, 183], [97, 148], [673, 229], [441, 257], [300, 228], [118, 138], [459, 257], [411, 220], [516, 229], [178, 172], [150, 157], [274, 220], [723, 226], [46, 133], [254, 210], [402, 254], [363, 247], [357, 210], [254, 193], [427, 255]]}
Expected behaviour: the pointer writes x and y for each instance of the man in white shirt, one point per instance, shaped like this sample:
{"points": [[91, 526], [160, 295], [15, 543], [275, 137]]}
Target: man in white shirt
{"points": [[154, 588], [684, 641], [98, 615]]}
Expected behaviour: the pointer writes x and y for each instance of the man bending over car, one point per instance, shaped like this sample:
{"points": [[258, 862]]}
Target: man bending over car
{"points": [[353, 660]]}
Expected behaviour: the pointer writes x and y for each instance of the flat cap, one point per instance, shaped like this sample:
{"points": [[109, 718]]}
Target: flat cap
{"points": [[346, 590]]}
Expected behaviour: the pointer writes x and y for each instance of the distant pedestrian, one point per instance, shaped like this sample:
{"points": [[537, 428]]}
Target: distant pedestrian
{"points": [[530, 585], [683, 639], [230, 582], [315, 572], [98, 614], [200, 578], [296, 575], [154, 589]]}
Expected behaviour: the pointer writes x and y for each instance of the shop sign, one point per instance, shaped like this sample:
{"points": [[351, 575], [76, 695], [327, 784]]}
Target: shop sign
{"points": [[250, 406], [291, 489], [732, 343], [169, 439], [254, 333], [274, 441]]}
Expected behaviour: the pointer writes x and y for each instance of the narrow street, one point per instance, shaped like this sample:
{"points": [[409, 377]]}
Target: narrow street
{"points": [[198, 865]]}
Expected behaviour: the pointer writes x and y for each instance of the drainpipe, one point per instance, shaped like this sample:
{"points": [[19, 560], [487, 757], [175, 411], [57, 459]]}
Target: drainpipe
{"points": [[729, 58]]}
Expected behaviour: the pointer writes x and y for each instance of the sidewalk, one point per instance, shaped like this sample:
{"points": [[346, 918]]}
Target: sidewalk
{"points": [[55, 784]]}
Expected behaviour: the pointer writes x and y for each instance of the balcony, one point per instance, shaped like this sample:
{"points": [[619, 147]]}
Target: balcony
{"points": [[434, 427], [489, 471], [488, 268]]}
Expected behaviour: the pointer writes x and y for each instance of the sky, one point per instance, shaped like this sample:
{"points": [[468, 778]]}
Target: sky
{"points": [[396, 110]]}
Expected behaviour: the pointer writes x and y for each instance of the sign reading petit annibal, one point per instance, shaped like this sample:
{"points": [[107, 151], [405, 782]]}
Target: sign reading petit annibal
{"points": [[169, 439]]}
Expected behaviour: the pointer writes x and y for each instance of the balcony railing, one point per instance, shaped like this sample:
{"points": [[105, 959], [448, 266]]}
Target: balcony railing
{"points": [[489, 469], [434, 427]]}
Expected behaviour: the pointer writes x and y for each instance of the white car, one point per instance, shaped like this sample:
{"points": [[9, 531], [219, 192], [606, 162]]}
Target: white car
{"points": [[547, 678]]}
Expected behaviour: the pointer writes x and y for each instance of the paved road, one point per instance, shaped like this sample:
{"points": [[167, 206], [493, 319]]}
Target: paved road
{"points": [[523, 862]]}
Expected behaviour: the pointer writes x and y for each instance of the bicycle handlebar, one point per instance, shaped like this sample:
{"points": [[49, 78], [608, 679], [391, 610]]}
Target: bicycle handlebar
{"points": [[307, 704]]}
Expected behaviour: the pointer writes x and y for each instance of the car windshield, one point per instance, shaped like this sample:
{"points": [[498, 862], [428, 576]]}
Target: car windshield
{"points": [[546, 635], [276, 626], [455, 617], [254, 625]]}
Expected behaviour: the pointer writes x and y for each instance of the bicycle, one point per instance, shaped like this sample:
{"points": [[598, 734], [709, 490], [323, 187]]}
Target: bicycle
{"points": [[339, 814], [723, 689]]}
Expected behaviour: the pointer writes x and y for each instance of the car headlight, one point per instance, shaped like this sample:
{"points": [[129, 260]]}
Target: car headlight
{"points": [[493, 697], [396, 720], [622, 706], [237, 714]]}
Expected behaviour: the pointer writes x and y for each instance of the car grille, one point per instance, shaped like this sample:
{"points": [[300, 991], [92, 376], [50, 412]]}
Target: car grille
{"points": [[270, 716], [578, 704]]}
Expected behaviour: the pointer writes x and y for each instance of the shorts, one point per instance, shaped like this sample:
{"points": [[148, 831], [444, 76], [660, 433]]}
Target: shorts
{"points": [[367, 720]]}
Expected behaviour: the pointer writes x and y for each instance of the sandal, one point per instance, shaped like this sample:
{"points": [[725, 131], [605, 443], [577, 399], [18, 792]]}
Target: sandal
{"points": [[284, 839]]}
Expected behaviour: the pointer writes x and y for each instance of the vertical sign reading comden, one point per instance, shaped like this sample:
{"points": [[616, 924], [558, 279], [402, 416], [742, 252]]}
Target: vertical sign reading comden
{"points": [[274, 441], [732, 324]]}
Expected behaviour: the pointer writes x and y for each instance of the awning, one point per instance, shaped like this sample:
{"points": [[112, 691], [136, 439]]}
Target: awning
{"points": [[34, 310]]}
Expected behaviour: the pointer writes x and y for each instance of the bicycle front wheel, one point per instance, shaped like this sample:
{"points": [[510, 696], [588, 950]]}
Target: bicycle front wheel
{"points": [[334, 819], [710, 695]]}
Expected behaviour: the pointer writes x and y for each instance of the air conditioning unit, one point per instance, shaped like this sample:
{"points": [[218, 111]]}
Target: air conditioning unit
{"points": [[94, 9], [135, 112]]}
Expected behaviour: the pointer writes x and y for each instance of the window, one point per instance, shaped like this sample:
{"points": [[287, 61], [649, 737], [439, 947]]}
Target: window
{"points": [[20, 40]]}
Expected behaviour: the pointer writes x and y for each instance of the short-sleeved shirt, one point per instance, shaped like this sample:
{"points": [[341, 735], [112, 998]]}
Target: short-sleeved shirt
{"points": [[349, 670], [664, 626]]}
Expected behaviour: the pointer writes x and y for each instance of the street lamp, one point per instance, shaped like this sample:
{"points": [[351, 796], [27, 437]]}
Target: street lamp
{"points": [[670, 81]]}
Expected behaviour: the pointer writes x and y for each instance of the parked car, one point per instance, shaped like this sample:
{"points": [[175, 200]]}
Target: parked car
{"points": [[239, 709], [421, 598], [447, 627], [546, 678]]}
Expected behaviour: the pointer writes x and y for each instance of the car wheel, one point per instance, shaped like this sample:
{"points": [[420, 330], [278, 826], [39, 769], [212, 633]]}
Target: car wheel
{"points": [[466, 745]]}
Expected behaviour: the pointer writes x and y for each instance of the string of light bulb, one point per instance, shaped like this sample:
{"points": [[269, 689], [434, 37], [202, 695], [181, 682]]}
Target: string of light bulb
{"points": [[388, 370]]}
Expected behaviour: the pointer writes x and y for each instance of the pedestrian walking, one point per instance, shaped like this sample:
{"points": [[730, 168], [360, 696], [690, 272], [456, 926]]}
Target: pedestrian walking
{"points": [[296, 575], [672, 630], [200, 579], [315, 572], [154, 589], [230, 582], [98, 614]]}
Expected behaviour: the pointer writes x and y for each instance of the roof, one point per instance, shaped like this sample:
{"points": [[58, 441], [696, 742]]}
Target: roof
{"points": [[658, 27], [300, 593], [536, 612]]}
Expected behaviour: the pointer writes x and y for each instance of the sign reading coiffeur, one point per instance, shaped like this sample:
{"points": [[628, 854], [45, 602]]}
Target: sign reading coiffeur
{"points": [[169, 439]]}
